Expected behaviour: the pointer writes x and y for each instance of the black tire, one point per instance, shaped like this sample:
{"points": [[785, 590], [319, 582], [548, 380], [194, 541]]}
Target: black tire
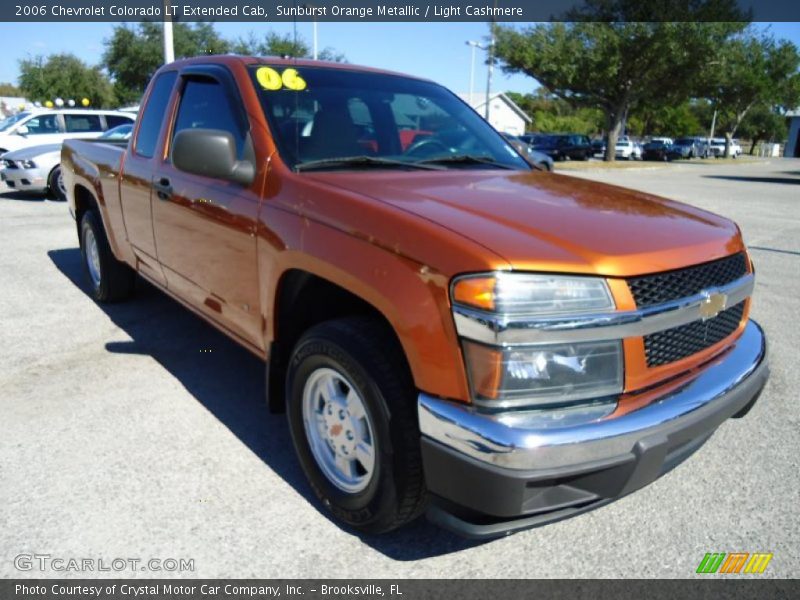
{"points": [[367, 355], [55, 186], [116, 280]]}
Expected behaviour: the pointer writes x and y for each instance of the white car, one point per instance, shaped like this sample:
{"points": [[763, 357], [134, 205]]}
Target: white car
{"points": [[718, 148], [628, 150], [667, 141], [38, 168], [53, 126]]}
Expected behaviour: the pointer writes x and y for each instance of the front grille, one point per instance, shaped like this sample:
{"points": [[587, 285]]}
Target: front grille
{"points": [[674, 344], [673, 285]]}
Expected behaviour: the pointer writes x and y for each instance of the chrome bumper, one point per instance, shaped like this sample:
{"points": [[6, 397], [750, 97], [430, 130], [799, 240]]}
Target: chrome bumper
{"points": [[582, 437]]}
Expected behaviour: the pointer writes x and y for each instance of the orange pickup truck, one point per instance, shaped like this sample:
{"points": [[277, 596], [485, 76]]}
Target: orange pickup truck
{"points": [[448, 329]]}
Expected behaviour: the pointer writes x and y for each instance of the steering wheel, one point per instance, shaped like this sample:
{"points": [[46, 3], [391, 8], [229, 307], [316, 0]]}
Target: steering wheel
{"points": [[430, 143]]}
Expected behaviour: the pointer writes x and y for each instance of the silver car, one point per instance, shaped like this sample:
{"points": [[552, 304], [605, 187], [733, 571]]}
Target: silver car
{"points": [[34, 169], [38, 168]]}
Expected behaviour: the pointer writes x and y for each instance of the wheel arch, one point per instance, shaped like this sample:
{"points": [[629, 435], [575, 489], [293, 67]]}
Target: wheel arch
{"points": [[84, 201], [302, 300]]}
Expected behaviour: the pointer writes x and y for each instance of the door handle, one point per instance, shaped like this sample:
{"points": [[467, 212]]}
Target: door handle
{"points": [[163, 188]]}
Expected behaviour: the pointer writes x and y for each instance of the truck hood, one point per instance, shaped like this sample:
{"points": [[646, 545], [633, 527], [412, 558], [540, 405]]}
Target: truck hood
{"points": [[544, 221]]}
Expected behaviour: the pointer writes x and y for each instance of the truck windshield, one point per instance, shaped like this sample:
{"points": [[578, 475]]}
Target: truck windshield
{"points": [[325, 118]]}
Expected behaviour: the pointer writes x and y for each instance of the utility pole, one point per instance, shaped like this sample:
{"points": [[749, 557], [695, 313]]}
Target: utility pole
{"points": [[315, 39], [473, 45], [489, 75], [490, 48], [169, 47]]}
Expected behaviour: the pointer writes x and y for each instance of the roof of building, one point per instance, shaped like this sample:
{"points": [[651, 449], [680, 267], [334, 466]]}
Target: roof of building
{"points": [[479, 102]]}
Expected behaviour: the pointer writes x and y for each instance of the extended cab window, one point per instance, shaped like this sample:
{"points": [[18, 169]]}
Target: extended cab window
{"points": [[204, 104], [147, 137], [342, 119], [80, 123]]}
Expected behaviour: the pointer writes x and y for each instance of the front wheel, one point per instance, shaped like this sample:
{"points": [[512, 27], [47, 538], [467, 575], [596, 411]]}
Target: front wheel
{"points": [[351, 407], [110, 279], [55, 184]]}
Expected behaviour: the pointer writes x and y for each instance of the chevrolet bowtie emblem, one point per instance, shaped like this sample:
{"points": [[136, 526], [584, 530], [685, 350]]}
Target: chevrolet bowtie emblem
{"points": [[712, 305]]}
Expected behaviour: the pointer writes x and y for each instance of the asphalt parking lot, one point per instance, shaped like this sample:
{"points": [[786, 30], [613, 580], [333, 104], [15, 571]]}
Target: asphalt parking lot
{"points": [[138, 431]]}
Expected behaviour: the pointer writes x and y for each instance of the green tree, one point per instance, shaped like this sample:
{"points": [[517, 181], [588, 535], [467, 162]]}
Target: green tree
{"points": [[133, 53], [551, 114], [275, 44], [64, 76], [763, 123], [752, 70], [673, 121], [652, 54], [9, 89]]}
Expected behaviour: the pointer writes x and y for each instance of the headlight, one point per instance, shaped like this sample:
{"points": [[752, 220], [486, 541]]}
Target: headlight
{"points": [[541, 374], [27, 164], [536, 295]]}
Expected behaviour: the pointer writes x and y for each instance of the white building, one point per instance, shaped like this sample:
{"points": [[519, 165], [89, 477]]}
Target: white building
{"points": [[792, 148], [504, 114]]}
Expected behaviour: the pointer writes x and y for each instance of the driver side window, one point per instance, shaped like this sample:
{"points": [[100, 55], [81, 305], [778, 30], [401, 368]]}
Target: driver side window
{"points": [[204, 105]]}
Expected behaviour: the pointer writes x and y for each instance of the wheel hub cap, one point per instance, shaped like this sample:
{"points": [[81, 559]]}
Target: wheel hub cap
{"points": [[92, 256], [339, 430]]}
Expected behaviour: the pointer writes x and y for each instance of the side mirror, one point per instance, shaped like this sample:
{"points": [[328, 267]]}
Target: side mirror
{"points": [[212, 153], [22, 130]]}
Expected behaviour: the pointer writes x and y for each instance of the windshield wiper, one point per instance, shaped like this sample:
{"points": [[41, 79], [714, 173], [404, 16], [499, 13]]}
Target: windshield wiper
{"points": [[465, 159], [361, 161]]}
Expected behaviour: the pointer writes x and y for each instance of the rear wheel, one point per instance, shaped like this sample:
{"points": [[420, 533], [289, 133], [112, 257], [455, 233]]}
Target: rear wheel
{"points": [[110, 279], [352, 414], [55, 184]]}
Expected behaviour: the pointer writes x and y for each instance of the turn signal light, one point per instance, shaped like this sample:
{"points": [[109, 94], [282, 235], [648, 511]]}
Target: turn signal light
{"points": [[476, 291]]}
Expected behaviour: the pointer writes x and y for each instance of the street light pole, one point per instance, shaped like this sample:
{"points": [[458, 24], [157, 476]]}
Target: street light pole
{"points": [[490, 48], [169, 47], [489, 75], [472, 46]]}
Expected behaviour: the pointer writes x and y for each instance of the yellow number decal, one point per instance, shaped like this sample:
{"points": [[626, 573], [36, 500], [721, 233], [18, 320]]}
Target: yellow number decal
{"points": [[292, 80], [269, 78]]}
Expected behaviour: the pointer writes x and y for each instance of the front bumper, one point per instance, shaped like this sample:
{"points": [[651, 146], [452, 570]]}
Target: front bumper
{"points": [[490, 476], [25, 180]]}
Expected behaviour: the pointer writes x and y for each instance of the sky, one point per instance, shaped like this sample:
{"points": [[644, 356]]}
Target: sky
{"points": [[436, 51]]}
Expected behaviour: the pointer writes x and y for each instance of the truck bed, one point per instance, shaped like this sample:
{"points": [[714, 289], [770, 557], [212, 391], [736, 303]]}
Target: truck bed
{"points": [[93, 156]]}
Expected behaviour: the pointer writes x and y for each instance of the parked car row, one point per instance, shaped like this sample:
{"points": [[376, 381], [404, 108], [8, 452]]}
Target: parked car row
{"points": [[564, 146], [687, 148], [537, 159], [38, 168]]}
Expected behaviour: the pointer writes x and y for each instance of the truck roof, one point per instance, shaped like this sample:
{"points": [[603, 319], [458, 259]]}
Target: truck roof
{"points": [[229, 59]]}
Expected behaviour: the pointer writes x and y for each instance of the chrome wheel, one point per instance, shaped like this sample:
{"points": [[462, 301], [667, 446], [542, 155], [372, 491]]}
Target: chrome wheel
{"points": [[339, 430], [92, 254], [62, 190]]}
